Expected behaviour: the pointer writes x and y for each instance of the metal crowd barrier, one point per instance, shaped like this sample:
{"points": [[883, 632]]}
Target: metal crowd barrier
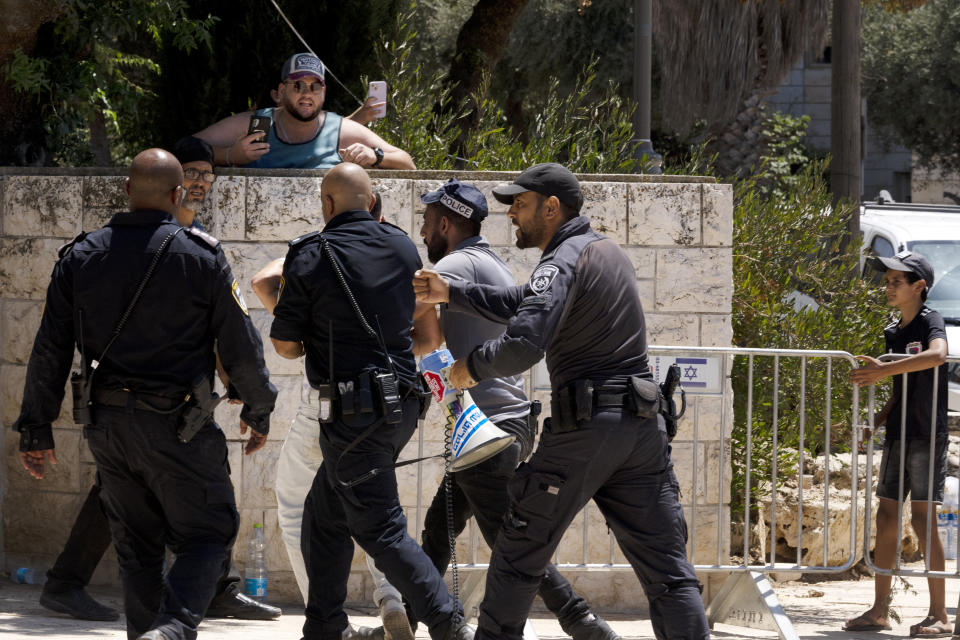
{"points": [[931, 528], [785, 380], [720, 361]]}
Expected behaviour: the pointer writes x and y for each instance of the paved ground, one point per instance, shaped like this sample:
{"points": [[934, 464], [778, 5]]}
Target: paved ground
{"points": [[816, 611]]}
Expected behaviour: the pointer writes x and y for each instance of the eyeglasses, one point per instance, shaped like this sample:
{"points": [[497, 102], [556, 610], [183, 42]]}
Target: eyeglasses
{"points": [[302, 87], [195, 174]]}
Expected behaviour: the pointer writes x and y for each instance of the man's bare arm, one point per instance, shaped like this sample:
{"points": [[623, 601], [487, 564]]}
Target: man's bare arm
{"points": [[230, 142], [357, 144], [427, 334], [266, 284]]}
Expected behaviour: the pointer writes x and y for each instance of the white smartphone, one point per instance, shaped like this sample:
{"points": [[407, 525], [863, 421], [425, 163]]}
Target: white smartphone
{"points": [[378, 91]]}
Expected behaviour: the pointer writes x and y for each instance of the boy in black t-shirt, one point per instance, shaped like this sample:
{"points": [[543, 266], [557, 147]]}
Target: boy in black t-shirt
{"points": [[920, 332]]}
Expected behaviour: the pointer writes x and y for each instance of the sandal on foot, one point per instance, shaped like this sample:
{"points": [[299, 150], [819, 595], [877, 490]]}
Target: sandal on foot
{"points": [[863, 623]]}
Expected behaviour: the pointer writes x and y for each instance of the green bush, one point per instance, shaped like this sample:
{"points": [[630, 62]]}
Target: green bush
{"points": [[796, 286]]}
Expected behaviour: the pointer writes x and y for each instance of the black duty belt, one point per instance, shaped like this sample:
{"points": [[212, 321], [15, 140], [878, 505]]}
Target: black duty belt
{"points": [[137, 400], [611, 396]]}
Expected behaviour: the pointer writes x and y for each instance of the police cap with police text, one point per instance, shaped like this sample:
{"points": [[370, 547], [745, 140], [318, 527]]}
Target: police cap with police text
{"points": [[906, 261], [548, 179], [459, 197]]}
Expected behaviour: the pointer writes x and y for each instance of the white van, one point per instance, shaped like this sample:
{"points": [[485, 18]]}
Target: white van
{"points": [[934, 231]]}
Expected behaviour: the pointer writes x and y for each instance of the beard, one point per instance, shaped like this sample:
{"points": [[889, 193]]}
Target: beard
{"points": [[192, 203], [436, 249], [530, 234], [291, 108]]}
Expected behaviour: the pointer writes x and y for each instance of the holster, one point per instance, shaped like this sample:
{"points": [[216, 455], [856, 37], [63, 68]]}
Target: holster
{"points": [[198, 411], [81, 392]]}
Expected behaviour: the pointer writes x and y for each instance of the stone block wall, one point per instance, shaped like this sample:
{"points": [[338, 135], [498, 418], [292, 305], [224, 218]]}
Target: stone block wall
{"points": [[677, 231]]}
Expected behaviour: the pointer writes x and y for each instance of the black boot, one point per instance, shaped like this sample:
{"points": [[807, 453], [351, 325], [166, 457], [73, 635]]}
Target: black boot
{"points": [[590, 627], [77, 603], [459, 629], [230, 603]]}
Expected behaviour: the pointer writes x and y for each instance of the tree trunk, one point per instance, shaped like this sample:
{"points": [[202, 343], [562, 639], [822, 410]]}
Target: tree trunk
{"points": [[845, 108], [737, 145], [480, 45], [99, 144]]}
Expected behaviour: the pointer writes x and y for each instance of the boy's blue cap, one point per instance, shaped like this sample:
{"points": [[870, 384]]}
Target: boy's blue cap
{"points": [[906, 261], [460, 197]]}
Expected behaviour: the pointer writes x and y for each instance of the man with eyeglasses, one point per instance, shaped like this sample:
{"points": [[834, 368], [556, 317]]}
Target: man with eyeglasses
{"points": [[302, 135], [196, 158]]}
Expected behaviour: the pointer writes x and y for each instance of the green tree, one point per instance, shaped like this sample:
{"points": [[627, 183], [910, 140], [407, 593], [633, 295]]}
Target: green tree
{"points": [[93, 64], [911, 72]]}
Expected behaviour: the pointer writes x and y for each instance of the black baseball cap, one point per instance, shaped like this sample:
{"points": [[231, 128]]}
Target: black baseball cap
{"points": [[548, 179], [459, 197], [906, 261]]}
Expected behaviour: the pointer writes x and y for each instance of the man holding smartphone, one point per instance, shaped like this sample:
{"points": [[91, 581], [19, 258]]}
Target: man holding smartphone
{"points": [[302, 134]]}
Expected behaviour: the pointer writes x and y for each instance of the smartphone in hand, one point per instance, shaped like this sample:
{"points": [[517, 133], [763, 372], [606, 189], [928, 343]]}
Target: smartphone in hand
{"points": [[378, 91], [259, 124]]}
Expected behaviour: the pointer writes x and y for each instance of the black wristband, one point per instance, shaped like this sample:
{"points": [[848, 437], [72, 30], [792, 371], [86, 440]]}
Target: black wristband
{"points": [[377, 151]]}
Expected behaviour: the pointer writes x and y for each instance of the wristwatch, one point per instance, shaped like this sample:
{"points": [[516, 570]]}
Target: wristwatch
{"points": [[377, 151]]}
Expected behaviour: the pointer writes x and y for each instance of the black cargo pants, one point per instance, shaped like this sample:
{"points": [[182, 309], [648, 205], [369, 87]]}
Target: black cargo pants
{"points": [[159, 492], [370, 513], [481, 491], [623, 463]]}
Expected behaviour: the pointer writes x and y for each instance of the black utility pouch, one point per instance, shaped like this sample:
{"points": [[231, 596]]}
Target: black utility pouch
{"points": [[584, 399], [325, 400], [364, 390], [645, 396], [80, 392], [345, 390], [388, 392]]}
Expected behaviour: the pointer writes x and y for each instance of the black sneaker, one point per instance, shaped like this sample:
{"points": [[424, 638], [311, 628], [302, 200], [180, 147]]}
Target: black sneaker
{"points": [[79, 604], [591, 627], [230, 603]]}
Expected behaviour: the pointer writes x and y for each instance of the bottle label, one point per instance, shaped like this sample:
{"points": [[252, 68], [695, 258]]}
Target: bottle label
{"points": [[255, 587]]}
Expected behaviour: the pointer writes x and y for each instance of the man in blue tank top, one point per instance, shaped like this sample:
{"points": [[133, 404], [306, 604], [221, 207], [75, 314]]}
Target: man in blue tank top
{"points": [[302, 135]]}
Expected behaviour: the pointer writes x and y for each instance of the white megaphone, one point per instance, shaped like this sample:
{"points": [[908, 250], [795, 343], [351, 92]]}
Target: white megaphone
{"points": [[473, 437]]}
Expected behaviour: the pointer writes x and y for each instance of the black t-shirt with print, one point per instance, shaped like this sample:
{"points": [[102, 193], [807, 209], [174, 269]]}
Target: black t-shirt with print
{"points": [[927, 325]]}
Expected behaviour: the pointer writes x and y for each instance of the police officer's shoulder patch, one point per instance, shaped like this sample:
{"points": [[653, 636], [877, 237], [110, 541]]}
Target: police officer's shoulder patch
{"points": [[65, 249], [208, 239], [543, 277], [304, 239], [238, 297]]}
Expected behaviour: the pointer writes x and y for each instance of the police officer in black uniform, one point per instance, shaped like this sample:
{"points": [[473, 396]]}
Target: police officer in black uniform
{"points": [[147, 348], [604, 439], [346, 301]]}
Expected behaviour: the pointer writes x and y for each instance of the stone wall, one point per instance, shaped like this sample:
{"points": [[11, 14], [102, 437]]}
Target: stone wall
{"points": [[677, 231]]}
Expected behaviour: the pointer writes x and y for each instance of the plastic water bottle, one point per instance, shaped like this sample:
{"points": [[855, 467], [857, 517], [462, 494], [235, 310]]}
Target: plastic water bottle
{"points": [[27, 575], [255, 573], [947, 518]]}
